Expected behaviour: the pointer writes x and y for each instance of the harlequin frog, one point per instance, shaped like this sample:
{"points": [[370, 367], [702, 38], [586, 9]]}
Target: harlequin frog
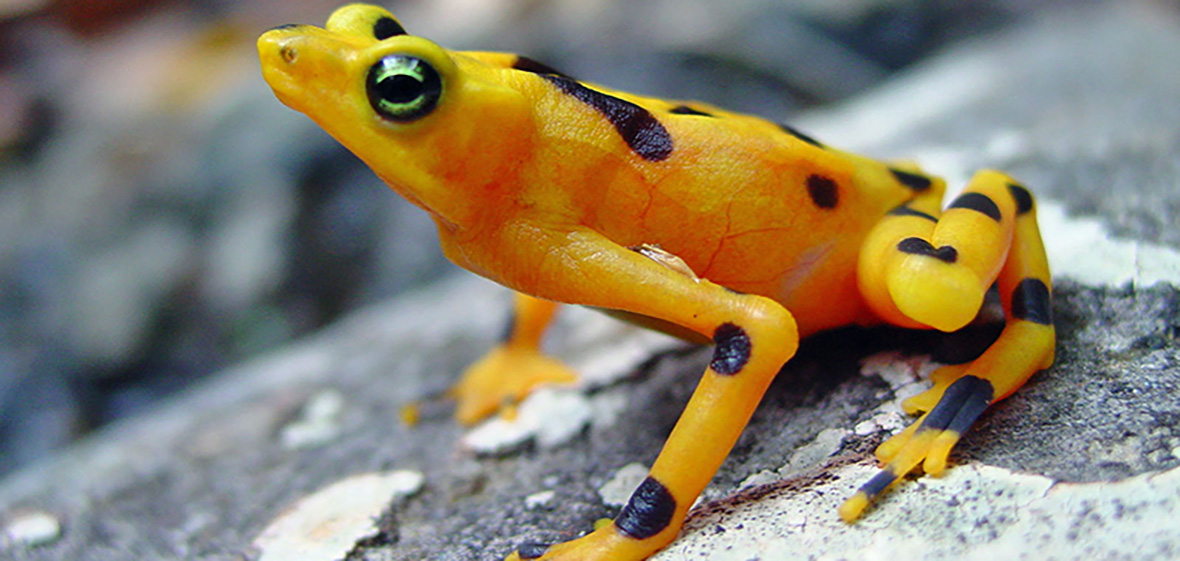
{"points": [[729, 227]]}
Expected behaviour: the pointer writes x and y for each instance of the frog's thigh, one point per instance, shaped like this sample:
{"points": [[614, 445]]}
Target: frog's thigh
{"points": [[991, 227], [513, 368], [754, 337]]}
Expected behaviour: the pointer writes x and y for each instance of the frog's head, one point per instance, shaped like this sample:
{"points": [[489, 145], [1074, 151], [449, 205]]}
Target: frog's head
{"points": [[440, 128]]}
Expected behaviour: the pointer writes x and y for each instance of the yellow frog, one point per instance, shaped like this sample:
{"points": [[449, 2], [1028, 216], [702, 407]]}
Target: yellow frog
{"points": [[694, 219]]}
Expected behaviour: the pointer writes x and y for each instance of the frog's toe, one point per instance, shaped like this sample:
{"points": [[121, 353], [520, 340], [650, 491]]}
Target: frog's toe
{"points": [[502, 378], [928, 400], [927, 441]]}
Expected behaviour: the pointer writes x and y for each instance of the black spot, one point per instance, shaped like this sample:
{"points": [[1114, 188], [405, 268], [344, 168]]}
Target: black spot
{"points": [[1024, 200], [795, 133], [732, 350], [979, 203], [903, 210], [878, 484], [961, 404], [648, 512], [1031, 301], [531, 550], [919, 246], [529, 65], [686, 110], [915, 182], [387, 27], [285, 26], [823, 191], [639, 129]]}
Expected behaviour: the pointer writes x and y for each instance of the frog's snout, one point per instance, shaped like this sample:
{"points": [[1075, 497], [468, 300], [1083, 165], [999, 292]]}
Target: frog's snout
{"points": [[278, 45], [279, 51]]}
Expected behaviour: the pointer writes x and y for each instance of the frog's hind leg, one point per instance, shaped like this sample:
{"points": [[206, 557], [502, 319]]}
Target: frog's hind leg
{"points": [[514, 368], [934, 271]]}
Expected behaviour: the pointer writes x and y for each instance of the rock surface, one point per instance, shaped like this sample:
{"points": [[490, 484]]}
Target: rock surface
{"points": [[1082, 462]]}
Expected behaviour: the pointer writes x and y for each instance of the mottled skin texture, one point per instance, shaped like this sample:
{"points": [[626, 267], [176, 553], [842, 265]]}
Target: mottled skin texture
{"points": [[722, 225]]}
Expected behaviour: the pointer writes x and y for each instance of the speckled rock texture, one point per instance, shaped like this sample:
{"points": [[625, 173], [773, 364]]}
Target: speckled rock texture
{"points": [[1082, 462]]}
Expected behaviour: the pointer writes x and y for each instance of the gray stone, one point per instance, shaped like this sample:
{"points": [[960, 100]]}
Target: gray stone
{"points": [[1081, 462]]}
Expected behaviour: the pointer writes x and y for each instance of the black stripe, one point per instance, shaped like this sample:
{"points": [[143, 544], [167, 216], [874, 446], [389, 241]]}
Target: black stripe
{"points": [[531, 550], [919, 246], [982, 393], [639, 129], [795, 133], [1031, 301], [823, 191], [686, 110], [387, 27], [915, 182], [979, 203], [529, 65], [961, 403], [1024, 200], [285, 26], [903, 210], [732, 350], [878, 484], [648, 512]]}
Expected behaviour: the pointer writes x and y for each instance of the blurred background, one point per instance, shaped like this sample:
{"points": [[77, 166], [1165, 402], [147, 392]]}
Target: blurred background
{"points": [[162, 216]]}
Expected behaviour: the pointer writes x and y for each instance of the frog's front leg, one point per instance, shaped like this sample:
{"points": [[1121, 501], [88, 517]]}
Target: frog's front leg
{"points": [[513, 368], [754, 337], [918, 268]]}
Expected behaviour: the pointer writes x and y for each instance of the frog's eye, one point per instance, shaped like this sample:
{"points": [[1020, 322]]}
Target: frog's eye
{"points": [[403, 88]]}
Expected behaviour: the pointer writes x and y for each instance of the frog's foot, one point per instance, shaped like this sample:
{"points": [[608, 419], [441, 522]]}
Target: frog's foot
{"points": [[922, 268], [502, 378], [958, 400]]}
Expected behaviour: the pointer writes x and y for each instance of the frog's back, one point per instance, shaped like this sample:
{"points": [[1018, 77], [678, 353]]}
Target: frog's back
{"points": [[753, 205]]}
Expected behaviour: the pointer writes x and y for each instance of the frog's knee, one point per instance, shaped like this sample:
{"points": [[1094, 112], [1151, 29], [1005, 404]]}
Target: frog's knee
{"points": [[928, 286]]}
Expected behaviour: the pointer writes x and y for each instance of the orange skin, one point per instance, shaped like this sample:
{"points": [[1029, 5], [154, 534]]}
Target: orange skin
{"points": [[702, 220]]}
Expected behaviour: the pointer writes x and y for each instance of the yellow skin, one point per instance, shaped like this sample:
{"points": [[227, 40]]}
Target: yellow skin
{"points": [[704, 221]]}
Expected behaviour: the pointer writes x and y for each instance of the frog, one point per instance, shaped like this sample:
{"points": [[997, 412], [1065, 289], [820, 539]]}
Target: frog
{"points": [[717, 226]]}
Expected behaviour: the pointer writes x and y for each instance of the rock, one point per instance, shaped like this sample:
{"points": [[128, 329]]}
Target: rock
{"points": [[1082, 461]]}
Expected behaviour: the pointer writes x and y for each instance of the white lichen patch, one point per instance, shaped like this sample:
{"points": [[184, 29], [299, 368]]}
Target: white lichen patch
{"points": [[806, 457], [813, 454], [974, 512], [1083, 249], [906, 375], [327, 524], [318, 423], [540, 500], [30, 529], [549, 416], [891, 421], [603, 351], [618, 490], [897, 369]]}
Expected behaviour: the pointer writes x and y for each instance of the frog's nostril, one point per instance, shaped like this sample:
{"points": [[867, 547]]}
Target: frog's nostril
{"points": [[288, 53]]}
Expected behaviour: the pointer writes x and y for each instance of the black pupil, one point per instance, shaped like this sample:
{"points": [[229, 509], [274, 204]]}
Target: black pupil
{"points": [[400, 88]]}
